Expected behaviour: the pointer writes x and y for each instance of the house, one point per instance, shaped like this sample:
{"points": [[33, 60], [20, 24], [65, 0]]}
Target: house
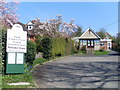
{"points": [[90, 40], [106, 43], [30, 29], [32, 24]]}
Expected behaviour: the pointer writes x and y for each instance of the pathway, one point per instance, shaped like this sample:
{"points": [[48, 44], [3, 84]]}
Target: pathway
{"points": [[79, 72]]}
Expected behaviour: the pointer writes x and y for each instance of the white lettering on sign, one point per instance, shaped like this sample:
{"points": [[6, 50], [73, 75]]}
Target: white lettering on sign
{"points": [[16, 41]]}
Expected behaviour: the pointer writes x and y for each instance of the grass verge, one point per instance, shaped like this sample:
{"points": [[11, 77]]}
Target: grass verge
{"points": [[39, 61], [0, 81], [101, 52], [14, 78]]}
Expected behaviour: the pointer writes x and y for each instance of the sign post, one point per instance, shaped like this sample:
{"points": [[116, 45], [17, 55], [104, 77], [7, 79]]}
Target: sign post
{"points": [[15, 48]]}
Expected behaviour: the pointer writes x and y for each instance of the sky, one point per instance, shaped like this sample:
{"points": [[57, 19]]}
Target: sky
{"points": [[95, 15], [66, 0]]}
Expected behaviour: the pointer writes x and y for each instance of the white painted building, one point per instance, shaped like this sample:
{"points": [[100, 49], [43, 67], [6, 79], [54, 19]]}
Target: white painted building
{"points": [[106, 44], [91, 40], [29, 25]]}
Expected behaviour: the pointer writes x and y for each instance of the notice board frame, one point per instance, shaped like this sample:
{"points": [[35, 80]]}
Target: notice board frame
{"points": [[14, 68]]}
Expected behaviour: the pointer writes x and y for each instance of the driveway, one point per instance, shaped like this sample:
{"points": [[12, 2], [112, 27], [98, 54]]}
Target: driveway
{"points": [[79, 72]]}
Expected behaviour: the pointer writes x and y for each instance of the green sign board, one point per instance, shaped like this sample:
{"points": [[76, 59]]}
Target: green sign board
{"points": [[15, 63], [15, 48]]}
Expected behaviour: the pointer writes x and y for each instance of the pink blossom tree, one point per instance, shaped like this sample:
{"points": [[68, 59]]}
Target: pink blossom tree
{"points": [[7, 12], [55, 28]]}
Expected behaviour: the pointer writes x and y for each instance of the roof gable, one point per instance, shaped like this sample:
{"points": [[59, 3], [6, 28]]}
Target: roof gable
{"points": [[107, 35], [89, 34]]}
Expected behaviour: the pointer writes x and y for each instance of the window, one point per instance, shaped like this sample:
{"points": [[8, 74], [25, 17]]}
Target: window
{"points": [[92, 43], [88, 42], [30, 27], [97, 42], [81, 42], [84, 42], [102, 44]]}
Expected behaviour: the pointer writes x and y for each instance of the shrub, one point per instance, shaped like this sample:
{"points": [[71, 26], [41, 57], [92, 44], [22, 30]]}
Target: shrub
{"points": [[69, 49], [38, 40], [1, 66], [1, 51], [3, 39], [47, 46], [75, 50], [39, 61], [116, 47], [58, 47], [102, 49], [31, 52], [53, 47], [83, 48]]}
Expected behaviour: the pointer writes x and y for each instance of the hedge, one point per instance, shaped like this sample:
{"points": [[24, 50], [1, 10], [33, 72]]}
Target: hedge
{"points": [[69, 48], [38, 40], [3, 37], [31, 52], [1, 51], [53, 47], [47, 47], [116, 47], [58, 47]]}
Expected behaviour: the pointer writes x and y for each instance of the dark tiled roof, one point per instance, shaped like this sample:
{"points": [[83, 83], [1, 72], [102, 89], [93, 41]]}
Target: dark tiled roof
{"points": [[23, 25]]}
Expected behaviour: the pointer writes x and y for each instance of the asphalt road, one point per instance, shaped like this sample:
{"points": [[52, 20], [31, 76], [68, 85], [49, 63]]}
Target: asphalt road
{"points": [[79, 72]]}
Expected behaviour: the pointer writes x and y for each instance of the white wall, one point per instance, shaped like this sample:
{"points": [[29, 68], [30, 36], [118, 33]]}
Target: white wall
{"points": [[97, 47], [109, 43]]}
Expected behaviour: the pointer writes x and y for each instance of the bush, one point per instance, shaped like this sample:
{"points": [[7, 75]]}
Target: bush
{"points": [[1, 51], [69, 48], [31, 52], [75, 50], [39, 61], [83, 48], [116, 43], [38, 40], [1, 65], [53, 47], [3, 39], [58, 47], [102, 49], [116, 47], [47, 46]]}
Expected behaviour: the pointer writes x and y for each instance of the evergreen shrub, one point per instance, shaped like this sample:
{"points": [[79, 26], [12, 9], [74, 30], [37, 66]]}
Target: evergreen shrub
{"points": [[38, 40], [47, 46], [53, 47], [31, 51]]}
